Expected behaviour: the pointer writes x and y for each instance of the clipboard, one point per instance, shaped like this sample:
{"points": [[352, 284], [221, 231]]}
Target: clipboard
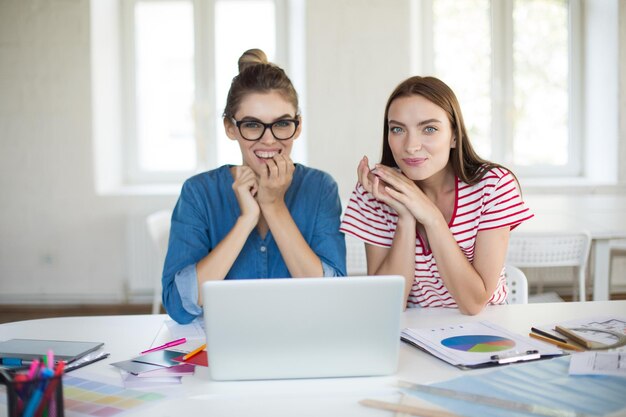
{"points": [[477, 345]]}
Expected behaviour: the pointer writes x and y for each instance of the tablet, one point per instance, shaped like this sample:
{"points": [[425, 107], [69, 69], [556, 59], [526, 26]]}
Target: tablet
{"points": [[34, 348]]}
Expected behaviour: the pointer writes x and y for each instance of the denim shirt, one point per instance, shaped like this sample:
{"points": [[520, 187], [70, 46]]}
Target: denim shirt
{"points": [[207, 210]]}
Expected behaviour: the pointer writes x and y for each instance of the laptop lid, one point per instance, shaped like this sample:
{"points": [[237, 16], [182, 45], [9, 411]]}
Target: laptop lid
{"points": [[303, 328]]}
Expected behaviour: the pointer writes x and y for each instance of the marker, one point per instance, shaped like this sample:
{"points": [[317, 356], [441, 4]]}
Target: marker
{"points": [[16, 361], [50, 359], [33, 368], [166, 345], [194, 352]]}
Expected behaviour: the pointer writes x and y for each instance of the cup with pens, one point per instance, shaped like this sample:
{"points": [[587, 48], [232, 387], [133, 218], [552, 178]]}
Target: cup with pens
{"points": [[37, 391]]}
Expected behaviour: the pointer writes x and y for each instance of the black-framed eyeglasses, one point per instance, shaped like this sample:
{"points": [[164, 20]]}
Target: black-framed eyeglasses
{"points": [[282, 129]]}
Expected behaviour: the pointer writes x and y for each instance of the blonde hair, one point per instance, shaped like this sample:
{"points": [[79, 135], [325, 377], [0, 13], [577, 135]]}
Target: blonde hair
{"points": [[251, 57]]}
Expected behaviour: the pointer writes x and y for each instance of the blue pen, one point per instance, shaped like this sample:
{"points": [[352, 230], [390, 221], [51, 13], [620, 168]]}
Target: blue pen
{"points": [[35, 399], [15, 361]]}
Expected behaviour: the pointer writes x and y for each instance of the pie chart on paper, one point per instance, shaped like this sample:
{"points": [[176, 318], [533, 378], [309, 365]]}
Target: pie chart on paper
{"points": [[478, 343]]}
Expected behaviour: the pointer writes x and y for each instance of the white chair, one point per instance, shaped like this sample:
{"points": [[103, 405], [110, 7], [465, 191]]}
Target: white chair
{"points": [[158, 224], [517, 285], [545, 250], [618, 250], [356, 262]]}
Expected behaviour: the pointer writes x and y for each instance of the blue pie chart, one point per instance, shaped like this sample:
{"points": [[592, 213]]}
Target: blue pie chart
{"points": [[478, 343]]}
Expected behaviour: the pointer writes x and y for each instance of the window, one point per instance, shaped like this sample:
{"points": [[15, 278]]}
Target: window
{"points": [[512, 64], [180, 56]]}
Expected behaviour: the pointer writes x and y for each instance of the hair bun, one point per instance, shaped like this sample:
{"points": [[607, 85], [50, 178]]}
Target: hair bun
{"points": [[252, 57]]}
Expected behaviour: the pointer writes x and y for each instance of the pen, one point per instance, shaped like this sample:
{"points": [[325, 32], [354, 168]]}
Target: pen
{"points": [[556, 342], [166, 345], [546, 334], [15, 361], [194, 352], [85, 361], [516, 356]]}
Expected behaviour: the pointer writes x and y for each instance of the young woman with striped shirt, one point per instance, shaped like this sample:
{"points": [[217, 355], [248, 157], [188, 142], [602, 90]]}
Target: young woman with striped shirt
{"points": [[432, 210]]}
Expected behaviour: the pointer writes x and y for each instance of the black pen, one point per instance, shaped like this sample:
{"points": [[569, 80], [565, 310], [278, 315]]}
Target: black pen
{"points": [[548, 335]]}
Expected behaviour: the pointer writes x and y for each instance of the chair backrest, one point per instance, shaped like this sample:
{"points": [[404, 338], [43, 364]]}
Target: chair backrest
{"points": [[517, 285], [158, 224], [542, 250], [356, 262]]}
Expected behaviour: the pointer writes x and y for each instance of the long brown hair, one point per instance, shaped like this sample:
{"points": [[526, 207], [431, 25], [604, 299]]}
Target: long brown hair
{"points": [[257, 75], [466, 163]]}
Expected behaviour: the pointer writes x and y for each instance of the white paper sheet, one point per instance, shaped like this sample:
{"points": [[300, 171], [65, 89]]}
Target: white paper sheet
{"points": [[598, 363]]}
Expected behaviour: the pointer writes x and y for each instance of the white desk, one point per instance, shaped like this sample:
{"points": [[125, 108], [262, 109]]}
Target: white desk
{"points": [[125, 336], [603, 216]]}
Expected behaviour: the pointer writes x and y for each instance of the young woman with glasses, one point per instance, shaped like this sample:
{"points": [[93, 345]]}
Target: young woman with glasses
{"points": [[267, 218], [432, 210]]}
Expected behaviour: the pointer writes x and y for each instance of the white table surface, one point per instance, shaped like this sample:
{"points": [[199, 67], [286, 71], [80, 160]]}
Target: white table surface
{"points": [[603, 216], [126, 336]]}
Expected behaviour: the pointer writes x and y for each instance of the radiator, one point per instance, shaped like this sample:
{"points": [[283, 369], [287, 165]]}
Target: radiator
{"points": [[144, 264]]}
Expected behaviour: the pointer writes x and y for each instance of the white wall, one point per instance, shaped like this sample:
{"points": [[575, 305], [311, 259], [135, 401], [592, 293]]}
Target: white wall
{"points": [[62, 242], [59, 241], [356, 55]]}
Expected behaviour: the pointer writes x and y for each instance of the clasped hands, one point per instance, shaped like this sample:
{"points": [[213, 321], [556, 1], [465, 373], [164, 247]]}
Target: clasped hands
{"points": [[256, 193], [395, 189]]}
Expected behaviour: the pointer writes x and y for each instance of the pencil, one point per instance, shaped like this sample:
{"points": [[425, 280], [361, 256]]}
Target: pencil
{"points": [[194, 352], [556, 342], [408, 409], [575, 337]]}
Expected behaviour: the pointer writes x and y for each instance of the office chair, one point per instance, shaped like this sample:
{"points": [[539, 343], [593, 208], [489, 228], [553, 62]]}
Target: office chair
{"points": [[545, 250], [158, 224], [517, 285]]}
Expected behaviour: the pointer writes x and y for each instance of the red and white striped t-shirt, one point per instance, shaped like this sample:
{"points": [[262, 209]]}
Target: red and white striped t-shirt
{"points": [[492, 203]]}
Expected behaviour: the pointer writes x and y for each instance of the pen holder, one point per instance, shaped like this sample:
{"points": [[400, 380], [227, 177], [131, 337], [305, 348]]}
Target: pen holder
{"points": [[33, 397]]}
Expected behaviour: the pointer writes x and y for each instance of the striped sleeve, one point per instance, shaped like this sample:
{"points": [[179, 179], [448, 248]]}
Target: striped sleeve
{"points": [[502, 204], [368, 219]]}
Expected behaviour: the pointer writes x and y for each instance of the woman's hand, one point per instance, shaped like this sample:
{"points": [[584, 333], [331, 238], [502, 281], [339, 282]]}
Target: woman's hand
{"points": [[403, 191], [275, 181], [372, 182], [245, 187]]}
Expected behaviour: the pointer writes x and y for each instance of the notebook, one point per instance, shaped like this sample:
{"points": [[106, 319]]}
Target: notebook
{"points": [[303, 328]]}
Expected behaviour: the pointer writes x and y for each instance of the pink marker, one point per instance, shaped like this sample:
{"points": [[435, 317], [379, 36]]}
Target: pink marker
{"points": [[33, 368], [165, 346]]}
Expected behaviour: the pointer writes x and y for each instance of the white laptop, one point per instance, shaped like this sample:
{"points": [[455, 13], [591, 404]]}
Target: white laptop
{"points": [[303, 328]]}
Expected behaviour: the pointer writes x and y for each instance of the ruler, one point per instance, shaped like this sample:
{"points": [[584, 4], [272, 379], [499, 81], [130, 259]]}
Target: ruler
{"points": [[491, 401]]}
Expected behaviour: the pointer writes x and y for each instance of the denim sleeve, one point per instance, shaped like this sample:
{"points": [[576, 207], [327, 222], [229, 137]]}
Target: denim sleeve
{"points": [[188, 243], [329, 271], [187, 284], [328, 242]]}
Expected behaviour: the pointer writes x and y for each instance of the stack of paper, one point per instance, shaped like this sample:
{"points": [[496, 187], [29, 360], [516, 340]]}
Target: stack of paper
{"points": [[477, 344], [155, 368]]}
